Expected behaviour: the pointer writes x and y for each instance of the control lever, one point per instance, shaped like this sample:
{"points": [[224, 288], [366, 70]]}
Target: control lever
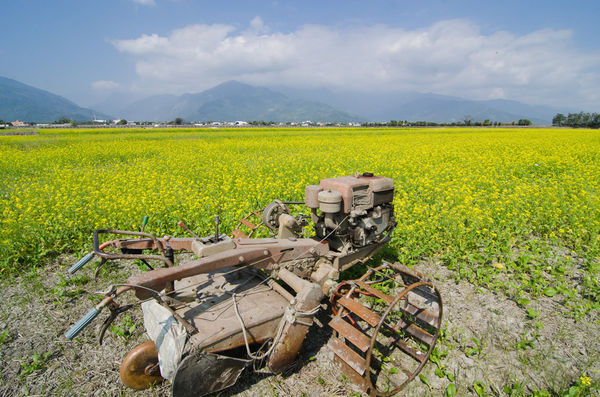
{"points": [[217, 221]]}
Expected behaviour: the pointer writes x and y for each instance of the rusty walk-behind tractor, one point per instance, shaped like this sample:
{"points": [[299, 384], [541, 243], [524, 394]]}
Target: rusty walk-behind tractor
{"points": [[249, 302]]}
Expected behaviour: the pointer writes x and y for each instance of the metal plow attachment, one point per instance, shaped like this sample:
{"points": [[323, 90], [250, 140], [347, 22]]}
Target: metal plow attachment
{"points": [[385, 327], [219, 304]]}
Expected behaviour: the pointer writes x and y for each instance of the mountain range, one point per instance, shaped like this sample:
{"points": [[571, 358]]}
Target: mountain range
{"points": [[414, 106], [19, 101], [232, 101]]}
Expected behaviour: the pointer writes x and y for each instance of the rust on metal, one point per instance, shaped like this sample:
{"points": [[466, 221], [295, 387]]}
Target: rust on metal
{"points": [[350, 357], [248, 224], [414, 330], [298, 319], [238, 234], [411, 351], [353, 335], [157, 279], [422, 314], [140, 368], [408, 338], [375, 291], [355, 307], [256, 298]]}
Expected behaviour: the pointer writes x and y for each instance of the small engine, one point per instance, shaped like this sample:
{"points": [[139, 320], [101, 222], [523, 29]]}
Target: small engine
{"points": [[355, 211]]}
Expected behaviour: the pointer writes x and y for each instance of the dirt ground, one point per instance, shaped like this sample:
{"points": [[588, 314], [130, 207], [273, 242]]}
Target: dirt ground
{"points": [[488, 344]]}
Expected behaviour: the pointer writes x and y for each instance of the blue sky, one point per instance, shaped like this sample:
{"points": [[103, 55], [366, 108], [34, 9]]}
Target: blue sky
{"points": [[541, 52]]}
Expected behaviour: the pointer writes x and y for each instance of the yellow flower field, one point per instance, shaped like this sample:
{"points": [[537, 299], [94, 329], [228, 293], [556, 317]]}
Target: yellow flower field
{"points": [[516, 210]]}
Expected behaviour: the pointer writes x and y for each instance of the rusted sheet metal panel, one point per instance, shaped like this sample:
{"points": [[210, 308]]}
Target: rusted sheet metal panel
{"points": [[287, 349], [349, 356], [362, 312], [354, 377], [411, 351], [249, 224], [220, 329], [356, 337], [295, 329], [260, 253], [157, 279], [422, 314], [415, 331], [375, 291], [238, 234]]}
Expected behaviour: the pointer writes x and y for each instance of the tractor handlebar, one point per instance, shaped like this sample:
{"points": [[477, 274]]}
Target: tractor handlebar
{"points": [[88, 257], [81, 324]]}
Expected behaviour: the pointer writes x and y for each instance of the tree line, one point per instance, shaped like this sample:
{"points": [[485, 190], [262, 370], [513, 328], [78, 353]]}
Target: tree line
{"points": [[577, 120], [467, 122]]}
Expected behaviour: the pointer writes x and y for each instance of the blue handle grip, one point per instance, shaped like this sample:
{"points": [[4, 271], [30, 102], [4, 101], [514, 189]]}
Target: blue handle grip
{"points": [[88, 257], [81, 324]]}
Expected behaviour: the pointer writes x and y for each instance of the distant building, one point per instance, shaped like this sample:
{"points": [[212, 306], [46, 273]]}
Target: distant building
{"points": [[18, 123]]}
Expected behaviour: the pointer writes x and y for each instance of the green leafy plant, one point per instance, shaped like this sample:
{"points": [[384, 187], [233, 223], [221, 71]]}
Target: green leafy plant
{"points": [[515, 389], [36, 362], [473, 351], [125, 329], [532, 313], [480, 389], [3, 337], [69, 287], [450, 390], [425, 380], [526, 341]]}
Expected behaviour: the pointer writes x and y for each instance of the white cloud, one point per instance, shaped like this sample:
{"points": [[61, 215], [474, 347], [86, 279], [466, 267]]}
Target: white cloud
{"points": [[104, 85], [450, 57], [145, 2], [257, 25]]}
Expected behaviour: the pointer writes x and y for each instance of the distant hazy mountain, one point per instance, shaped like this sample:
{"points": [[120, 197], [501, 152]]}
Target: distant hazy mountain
{"points": [[154, 108], [429, 108], [411, 106], [115, 102], [233, 101], [545, 113], [19, 101]]}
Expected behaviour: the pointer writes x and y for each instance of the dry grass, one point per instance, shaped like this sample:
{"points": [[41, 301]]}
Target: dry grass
{"points": [[489, 341]]}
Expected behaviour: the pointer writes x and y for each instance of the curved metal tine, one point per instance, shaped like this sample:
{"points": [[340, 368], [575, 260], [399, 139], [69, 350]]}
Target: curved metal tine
{"points": [[99, 266], [147, 264], [113, 315]]}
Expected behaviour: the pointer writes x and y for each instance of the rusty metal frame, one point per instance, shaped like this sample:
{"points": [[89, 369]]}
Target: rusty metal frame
{"points": [[397, 299], [98, 250], [363, 287]]}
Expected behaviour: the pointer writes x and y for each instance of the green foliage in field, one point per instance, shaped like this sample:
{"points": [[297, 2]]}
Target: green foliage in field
{"points": [[517, 210]]}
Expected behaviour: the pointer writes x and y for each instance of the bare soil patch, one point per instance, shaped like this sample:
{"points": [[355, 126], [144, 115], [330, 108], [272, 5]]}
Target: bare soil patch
{"points": [[488, 342]]}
